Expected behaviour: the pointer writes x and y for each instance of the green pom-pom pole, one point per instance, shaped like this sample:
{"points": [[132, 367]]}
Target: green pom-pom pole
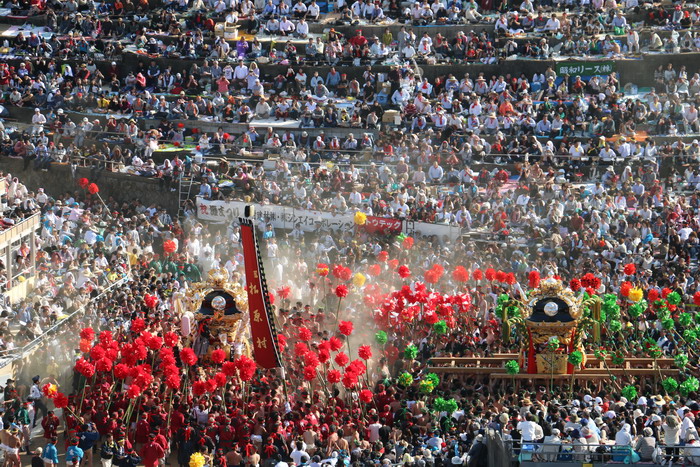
{"points": [[629, 392], [575, 358], [410, 352], [689, 385], [670, 385], [440, 327], [433, 378], [405, 379], [512, 367], [426, 387], [381, 337], [680, 360]]}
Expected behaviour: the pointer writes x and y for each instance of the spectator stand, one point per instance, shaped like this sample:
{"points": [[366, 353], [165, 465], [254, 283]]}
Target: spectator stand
{"points": [[18, 253]]}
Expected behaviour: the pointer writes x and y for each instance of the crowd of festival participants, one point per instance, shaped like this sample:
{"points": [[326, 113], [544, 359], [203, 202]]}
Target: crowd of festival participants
{"points": [[360, 316]]}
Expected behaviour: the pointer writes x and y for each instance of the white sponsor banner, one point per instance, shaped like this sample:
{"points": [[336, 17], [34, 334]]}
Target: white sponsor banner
{"points": [[284, 217], [281, 217], [426, 228]]}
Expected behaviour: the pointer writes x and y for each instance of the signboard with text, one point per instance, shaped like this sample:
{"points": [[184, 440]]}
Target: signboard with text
{"points": [[384, 225], [584, 68], [284, 217]]}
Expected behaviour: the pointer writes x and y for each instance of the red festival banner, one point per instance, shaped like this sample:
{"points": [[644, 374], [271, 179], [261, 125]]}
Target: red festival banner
{"points": [[383, 225], [262, 325]]}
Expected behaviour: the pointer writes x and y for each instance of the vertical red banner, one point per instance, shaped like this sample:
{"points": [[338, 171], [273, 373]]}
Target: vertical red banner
{"points": [[262, 325]]}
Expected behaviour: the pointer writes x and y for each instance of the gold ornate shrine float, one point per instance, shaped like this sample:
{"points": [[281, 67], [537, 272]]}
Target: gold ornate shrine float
{"points": [[220, 309], [551, 319], [549, 325]]}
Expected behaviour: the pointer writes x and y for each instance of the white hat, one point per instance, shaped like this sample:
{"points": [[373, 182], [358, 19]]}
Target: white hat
{"points": [[60, 111], [85, 119]]}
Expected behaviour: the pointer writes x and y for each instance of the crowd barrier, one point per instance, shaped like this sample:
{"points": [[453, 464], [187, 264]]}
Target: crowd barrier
{"points": [[567, 453]]}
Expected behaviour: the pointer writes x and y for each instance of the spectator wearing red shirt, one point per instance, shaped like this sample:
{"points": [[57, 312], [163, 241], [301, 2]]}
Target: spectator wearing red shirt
{"points": [[358, 40], [152, 451]]}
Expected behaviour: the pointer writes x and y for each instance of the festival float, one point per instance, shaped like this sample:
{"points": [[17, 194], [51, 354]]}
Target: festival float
{"points": [[551, 327], [560, 331], [220, 308]]}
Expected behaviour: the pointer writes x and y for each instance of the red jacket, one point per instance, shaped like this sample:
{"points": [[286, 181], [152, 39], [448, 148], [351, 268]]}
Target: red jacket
{"points": [[50, 425], [162, 441], [142, 430], [151, 453], [177, 420]]}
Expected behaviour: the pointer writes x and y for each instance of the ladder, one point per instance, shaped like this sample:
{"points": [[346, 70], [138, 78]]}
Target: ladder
{"points": [[184, 191]]}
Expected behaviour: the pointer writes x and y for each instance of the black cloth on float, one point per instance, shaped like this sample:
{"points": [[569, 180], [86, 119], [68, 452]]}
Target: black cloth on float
{"points": [[562, 315]]}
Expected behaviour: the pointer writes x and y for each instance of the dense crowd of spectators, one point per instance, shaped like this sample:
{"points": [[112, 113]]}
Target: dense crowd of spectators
{"points": [[456, 120]]}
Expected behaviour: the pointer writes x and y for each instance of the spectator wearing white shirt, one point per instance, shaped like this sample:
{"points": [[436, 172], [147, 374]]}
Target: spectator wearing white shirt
{"points": [[690, 116], [688, 425], [576, 152], [552, 445], [607, 154], [299, 9], [313, 11], [553, 24], [240, 73], [435, 173], [302, 29], [528, 429], [339, 203], [408, 51], [286, 26], [355, 197], [624, 148], [38, 121], [418, 176], [299, 455]]}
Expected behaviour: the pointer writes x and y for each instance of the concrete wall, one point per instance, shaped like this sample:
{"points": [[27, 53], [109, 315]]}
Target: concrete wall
{"points": [[640, 72], [120, 187]]}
